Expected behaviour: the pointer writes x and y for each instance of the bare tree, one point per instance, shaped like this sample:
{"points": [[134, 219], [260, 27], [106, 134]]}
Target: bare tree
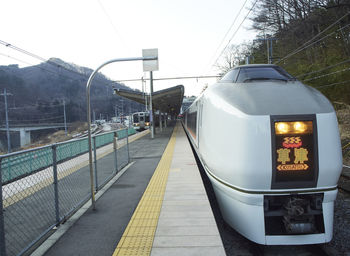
{"points": [[234, 55]]}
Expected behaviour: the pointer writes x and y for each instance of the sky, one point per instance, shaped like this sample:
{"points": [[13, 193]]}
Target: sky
{"points": [[189, 35]]}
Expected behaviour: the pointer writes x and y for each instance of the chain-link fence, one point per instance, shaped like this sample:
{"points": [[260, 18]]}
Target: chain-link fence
{"points": [[42, 187]]}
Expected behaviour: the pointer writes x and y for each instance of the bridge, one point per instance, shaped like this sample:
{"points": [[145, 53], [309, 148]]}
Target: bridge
{"points": [[24, 132]]}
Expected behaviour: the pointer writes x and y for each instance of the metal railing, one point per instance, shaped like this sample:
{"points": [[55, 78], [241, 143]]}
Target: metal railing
{"points": [[40, 188]]}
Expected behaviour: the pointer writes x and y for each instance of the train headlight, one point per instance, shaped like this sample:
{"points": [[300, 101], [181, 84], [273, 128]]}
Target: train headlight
{"points": [[297, 127], [281, 128], [300, 127]]}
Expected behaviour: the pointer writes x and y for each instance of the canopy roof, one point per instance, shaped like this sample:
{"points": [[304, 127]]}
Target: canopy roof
{"points": [[167, 101]]}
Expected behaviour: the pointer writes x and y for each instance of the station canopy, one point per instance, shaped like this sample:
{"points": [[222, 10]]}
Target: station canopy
{"points": [[167, 101]]}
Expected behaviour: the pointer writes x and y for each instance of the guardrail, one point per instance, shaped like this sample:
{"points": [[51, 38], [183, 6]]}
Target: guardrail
{"points": [[40, 188]]}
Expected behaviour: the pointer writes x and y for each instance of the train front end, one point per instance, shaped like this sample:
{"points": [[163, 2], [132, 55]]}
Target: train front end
{"points": [[275, 172], [306, 158]]}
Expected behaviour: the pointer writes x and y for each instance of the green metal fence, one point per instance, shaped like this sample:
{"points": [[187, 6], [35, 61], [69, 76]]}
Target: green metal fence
{"points": [[40, 187], [16, 166]]}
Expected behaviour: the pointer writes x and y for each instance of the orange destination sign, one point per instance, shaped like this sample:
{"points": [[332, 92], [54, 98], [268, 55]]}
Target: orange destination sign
{"points": [[292, 156]]}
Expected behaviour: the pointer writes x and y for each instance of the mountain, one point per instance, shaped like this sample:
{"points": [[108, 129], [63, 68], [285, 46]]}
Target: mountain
{"points": [[37, 93]]}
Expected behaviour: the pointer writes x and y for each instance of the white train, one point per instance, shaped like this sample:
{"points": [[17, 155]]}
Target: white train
{"points": [[270, 146], [140, 121]]}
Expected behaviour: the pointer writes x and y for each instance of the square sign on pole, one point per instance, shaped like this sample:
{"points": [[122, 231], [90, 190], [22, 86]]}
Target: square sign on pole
{"points": [[150, 65]]}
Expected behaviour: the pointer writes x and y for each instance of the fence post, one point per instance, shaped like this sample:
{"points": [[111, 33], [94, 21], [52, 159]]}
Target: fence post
{"points": [[55, 182], [127, 143], [2, 222], [115, 151], [95, 161]]}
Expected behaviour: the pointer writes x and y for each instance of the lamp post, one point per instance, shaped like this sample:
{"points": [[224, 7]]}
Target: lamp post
{"points": [[88, 85]]}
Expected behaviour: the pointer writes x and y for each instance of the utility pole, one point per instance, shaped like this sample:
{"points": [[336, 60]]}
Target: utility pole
{"points": [[152, 119], [64, 116], [144, 90], [268, 48], [122, 114], [7, 121]]}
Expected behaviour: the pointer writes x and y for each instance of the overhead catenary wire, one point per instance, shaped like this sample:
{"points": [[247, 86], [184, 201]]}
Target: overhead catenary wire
{"points": [[322, 32], [167, 78], [228, 31], [223, 50]]}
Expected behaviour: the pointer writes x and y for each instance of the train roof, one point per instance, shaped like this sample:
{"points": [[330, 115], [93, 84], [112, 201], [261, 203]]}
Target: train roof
{"points": [[255, 65], [271, 98]]}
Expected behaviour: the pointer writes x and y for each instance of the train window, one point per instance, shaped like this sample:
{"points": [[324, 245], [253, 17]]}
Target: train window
{"points": [[230, 76], [250, 74], [192, 122], [136, 118]]}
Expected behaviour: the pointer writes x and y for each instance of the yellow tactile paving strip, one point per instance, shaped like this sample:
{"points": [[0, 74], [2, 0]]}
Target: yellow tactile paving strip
{"points": [[139, 234]]}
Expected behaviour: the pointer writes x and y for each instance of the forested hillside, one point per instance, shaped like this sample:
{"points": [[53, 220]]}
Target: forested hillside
{"points": [[38, 92], [309, 38]]}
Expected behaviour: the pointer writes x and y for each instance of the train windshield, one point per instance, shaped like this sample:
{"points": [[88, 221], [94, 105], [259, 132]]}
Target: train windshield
{"points": [[147, 118], [252, 74], [135, 117]]}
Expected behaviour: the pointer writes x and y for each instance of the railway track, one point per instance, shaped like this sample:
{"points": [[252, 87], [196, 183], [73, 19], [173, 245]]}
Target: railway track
{"points": [[236, 244], [344, 180], [286, 250]]}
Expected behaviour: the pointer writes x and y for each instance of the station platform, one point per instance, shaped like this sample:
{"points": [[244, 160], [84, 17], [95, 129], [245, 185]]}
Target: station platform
{"points": [[156, 206]]}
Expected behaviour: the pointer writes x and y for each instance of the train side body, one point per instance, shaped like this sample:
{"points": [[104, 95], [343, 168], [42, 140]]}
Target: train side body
{"points": [[233, 134]]}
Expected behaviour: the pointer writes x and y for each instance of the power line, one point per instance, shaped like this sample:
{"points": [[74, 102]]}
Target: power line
{"points": [[111, 22], [317, 77], [44, 60], [323, 86], [323, 69], [297, 50], [39, 67], [223, 39], [10, 57], [236, 31], [307, 46], [22, 50]]}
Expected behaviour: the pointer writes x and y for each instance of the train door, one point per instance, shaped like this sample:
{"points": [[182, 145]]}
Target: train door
{"points": [[199, 121]]}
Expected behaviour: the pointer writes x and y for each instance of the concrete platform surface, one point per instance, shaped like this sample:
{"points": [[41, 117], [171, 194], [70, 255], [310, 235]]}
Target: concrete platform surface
{"points": [[186, 223], [158, 206]]}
